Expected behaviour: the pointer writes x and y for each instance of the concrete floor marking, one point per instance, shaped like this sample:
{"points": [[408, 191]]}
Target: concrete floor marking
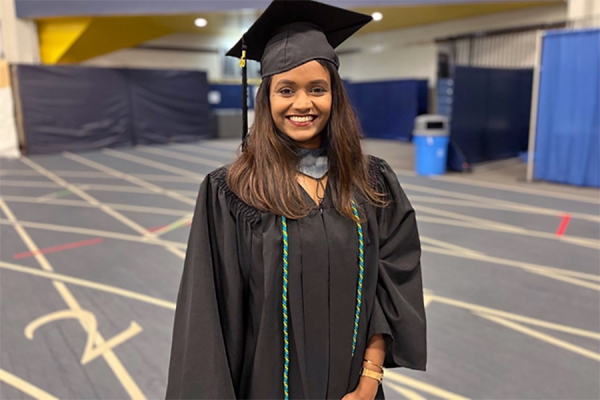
{"points": [[86, 318], [98, 233], [405, 392], [541, 336], [449, 246], [111, 359], [483, 199], [130, 178], [180, 156], [499, 186], [81, 203], [478, 309], [29, 184], [24, 386], [107, 209], [89, 284], [549, 272], [209, 152], [62, 247], [422, 386], [153, 164], [466, 221], [501, 207], [563, 225], [185, 221]]}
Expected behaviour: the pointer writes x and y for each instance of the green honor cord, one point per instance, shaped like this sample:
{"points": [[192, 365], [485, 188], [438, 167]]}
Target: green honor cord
{"points": [[284, 295]]}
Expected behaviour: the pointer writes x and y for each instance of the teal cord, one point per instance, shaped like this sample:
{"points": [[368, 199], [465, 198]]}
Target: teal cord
{"points": [[361, 274], [284, 296], [284, 303]]}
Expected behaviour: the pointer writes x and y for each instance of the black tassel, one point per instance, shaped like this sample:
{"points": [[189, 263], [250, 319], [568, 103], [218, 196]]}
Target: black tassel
{"points": [[243, 64]]}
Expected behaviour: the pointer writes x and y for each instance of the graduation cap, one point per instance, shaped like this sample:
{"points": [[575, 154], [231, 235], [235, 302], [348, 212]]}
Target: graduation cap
{"points": [[290, 33]]}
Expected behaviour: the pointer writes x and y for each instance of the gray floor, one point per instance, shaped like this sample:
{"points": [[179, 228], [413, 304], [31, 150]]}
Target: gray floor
{"points": [[513, 309]]}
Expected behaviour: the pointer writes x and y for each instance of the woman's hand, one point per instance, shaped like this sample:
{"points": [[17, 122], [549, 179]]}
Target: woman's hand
{"points": [[366, 390]]}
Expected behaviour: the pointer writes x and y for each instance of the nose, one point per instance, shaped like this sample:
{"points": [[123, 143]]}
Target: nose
{"points": [[302, 102]]}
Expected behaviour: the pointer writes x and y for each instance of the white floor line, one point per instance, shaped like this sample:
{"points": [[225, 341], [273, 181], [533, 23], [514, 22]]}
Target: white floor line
{"points": [[81, 203], [542, 270], [230, 155], [130, 178], [30, 184], [153, 164], [108, 210], [89, 284], [97, 233], [481, 199], [415, 199], [493, 227], [180, 156], [509, 188]]}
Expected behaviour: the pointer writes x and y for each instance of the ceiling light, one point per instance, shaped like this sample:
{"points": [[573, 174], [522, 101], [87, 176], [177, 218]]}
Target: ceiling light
{"points": [[200, 22], [377, 16]]}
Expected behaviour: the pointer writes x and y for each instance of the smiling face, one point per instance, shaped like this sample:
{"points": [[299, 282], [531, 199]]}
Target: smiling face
{"points": [[301, 103]]}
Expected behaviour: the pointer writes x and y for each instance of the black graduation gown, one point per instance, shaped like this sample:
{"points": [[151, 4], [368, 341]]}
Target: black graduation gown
{"points": [[228, 333]]}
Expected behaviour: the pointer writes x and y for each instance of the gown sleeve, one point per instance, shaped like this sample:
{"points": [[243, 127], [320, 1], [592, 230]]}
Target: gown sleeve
{"points": [[399, 312], [207, 347]]}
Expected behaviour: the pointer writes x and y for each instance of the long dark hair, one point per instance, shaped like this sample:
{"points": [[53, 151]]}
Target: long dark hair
{"points": [[264, 175]]}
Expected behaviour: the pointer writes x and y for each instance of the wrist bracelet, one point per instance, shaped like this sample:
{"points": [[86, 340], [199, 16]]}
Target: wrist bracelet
{"points": [[373, 364], [378, 376]]}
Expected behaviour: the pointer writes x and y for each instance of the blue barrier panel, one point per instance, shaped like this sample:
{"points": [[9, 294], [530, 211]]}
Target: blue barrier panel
{"points": [[231, 96], [73, 108], [490, 112], [568, 122], [386, 109], [170, 106]]}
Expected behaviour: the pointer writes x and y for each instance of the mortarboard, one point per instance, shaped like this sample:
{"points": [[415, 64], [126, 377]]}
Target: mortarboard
{"points": [[292, 32]]}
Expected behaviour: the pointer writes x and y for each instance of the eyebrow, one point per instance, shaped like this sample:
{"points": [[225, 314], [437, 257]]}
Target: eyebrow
{"points": [[315, 82]]}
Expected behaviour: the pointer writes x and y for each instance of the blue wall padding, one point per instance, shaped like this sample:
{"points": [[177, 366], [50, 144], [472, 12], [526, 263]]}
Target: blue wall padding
{"points": [[490, 112], [170, 106], [387, 109], [71, 108], [231, 96], [568, 123]]}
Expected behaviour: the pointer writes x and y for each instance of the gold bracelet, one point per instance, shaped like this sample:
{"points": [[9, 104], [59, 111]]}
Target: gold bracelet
{"points": [[373, 364], [378, 376]]}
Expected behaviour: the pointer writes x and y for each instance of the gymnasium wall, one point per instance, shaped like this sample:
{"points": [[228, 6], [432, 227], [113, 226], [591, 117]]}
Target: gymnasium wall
{"points": [[399, 54]]}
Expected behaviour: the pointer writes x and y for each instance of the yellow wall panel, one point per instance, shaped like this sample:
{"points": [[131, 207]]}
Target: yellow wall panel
{"points": [[57, 35], [108, 34]]}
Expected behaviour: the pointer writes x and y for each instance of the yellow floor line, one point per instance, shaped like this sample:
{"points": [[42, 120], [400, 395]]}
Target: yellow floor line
{"points": [[422, 386], [89, 284], [24, 386], [114, 363]]}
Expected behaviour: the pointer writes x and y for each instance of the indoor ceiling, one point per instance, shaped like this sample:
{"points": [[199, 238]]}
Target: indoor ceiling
{"points": [[74, 39]]}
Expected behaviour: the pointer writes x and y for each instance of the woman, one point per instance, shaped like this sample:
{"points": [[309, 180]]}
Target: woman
{"points": [[302, 277]]}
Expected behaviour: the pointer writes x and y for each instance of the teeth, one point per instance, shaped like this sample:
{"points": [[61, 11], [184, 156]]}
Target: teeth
{"points": [[301, 119]]}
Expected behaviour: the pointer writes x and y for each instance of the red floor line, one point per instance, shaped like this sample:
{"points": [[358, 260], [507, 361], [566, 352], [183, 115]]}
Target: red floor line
{"points": [[563, 225], [55, 249]]}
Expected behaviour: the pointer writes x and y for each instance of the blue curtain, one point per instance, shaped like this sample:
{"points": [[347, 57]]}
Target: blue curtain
{"points": [[387, 109], [568, 124]]}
